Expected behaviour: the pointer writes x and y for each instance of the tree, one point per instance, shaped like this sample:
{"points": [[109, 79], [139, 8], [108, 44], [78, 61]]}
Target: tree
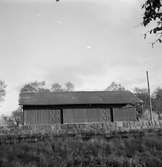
{"points": [[115, 87], [157, 100], [7, 121], [33, 87], [4, 120], [143, 95], [153, 14], [69, 86], [2, 90], [17, 116], [56, 87]]}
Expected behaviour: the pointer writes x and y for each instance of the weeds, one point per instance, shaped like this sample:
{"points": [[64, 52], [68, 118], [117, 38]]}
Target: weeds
{"points": [[98, 151]]}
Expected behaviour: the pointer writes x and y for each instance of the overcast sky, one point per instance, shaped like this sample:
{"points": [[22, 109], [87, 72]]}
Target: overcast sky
{"points": [[88, 42]]}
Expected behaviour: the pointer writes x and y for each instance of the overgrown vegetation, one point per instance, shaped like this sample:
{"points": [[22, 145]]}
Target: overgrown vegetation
{"points": [[131, 151]]}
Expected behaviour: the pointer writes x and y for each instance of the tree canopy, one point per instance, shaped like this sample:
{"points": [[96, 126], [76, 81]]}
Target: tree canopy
{"points": [[57, 87], [69, 86], [142, 94], [115, 87], [153, 15], [40, 86], [2, 90], [17, 116], [32, 87], [157, 100], [36, 86]]}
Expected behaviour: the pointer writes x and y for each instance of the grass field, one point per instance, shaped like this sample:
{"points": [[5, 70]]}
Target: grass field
{"points": [[129, 151]]}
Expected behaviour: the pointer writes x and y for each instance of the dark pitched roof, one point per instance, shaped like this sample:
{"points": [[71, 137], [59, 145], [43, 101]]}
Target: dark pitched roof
{"points": [[82, 97]]}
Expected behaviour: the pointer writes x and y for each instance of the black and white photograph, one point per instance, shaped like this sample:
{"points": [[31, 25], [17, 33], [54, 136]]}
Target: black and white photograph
{"points": [[80, 83]]}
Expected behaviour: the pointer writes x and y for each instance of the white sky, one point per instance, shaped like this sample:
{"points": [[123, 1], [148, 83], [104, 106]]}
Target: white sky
{"points": [[88, 42]]}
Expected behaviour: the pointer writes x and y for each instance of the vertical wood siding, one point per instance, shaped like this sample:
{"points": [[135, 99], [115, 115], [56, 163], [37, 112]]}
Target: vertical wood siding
{"points": [[124, 114], [86, 115], [41, 116], [47, 116]]}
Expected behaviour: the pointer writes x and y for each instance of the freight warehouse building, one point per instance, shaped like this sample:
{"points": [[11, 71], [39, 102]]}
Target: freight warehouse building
{"points": [[78, 107]]}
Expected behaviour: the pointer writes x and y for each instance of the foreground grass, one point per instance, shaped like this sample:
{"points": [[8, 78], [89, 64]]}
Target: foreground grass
{"points": [[131, 151]]}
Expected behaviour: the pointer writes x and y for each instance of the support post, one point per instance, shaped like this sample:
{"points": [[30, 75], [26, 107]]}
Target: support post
{"points": [[23, 119], [111, 114], [61, 116], [149, 95]]}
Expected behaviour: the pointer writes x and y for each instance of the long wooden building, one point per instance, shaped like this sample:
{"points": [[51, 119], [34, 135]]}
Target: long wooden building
{"points": [[78, 107]]}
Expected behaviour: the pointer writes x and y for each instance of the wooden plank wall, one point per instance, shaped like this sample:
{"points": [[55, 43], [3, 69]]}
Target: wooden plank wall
{"points": [[124, 114], [52, 116], [41, 116], [86, 115]]}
